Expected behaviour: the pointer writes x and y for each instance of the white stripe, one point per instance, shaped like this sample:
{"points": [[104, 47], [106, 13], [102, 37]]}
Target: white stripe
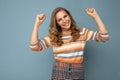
{"points": [[104, 35], [83, 31], [94, 35], [72, 54], [32, 46], [69, 46], [44, 43], [63, 37]]}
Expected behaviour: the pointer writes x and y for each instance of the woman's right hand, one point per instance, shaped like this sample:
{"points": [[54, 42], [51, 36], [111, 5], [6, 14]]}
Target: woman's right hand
{"points": [[40, 18]]}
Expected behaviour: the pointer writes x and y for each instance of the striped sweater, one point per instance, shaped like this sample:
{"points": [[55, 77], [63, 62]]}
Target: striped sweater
{"points": [[71, 52]]}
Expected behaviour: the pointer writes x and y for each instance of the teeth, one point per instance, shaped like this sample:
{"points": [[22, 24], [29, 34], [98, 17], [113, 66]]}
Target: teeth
{"points": [[66, 24]]}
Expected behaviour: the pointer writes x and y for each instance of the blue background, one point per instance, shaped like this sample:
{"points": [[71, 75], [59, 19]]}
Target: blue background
{"points": [[17, 17]]}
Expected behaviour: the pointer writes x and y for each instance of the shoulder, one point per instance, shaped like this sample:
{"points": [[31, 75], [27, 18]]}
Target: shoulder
{"points": [[83, 30], [47, 37]]}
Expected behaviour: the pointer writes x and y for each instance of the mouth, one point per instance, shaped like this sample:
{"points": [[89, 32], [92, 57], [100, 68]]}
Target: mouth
{"points": [[67, 24]]}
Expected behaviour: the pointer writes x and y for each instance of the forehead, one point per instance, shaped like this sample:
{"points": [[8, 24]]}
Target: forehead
{"points": [[60, 14]]}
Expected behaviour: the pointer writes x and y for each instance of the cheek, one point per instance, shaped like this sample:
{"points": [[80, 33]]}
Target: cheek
{"points": [[69, 19], [59, 23]]}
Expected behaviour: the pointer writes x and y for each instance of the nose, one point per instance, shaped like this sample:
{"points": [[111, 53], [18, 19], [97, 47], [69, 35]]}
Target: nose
{"points": [[64, 20]]}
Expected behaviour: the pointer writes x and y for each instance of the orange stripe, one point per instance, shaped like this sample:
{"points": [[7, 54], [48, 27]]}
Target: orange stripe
{"points": [[90, 35], [84, 37], [71, 60]]}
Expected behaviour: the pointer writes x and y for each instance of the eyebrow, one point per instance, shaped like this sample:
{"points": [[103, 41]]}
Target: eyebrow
{"points": [[59, 19]]}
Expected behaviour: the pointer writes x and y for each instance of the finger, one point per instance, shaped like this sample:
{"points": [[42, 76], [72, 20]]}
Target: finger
{"points": [[41, 16], [90, 10], [87, 9], [44, 17]]}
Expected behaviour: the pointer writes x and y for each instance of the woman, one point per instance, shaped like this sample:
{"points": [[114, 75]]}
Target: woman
{"points": [[68, 41]]}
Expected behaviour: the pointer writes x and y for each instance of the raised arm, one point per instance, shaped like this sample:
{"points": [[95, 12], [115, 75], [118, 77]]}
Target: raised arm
{"points": [[35, 43], [93, 13], [39, 19], [102, 34]]}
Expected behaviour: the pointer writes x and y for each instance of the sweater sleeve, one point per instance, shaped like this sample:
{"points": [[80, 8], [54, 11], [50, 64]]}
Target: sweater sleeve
{"points": [[42, 44], [95, 35]]}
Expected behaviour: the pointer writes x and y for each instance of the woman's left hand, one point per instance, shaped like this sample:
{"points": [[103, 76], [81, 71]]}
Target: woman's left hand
{"points": [[91, 12]]}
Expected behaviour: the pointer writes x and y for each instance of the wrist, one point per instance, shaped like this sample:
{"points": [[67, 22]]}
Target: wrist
{"points": [[36, 24], [95, 17]]}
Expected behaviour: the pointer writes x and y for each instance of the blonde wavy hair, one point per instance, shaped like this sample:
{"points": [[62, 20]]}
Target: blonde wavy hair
{"points": [[56, 32]]}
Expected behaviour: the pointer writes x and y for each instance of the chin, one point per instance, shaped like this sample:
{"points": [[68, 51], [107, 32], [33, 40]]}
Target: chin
{"points": [[67, 28]]}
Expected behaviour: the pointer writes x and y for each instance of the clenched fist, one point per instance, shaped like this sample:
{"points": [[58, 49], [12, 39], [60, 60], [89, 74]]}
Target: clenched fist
{"points": [[91, 12], [40, 18]]}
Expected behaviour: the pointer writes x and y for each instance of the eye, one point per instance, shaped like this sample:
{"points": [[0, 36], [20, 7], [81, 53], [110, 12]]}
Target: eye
{"points": [[65, 16]]}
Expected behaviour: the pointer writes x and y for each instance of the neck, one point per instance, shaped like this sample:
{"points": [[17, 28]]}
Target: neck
{"points": [[66, 31]]}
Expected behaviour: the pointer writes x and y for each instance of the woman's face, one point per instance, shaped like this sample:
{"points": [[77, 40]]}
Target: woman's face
{"points": [[63, 20]]}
